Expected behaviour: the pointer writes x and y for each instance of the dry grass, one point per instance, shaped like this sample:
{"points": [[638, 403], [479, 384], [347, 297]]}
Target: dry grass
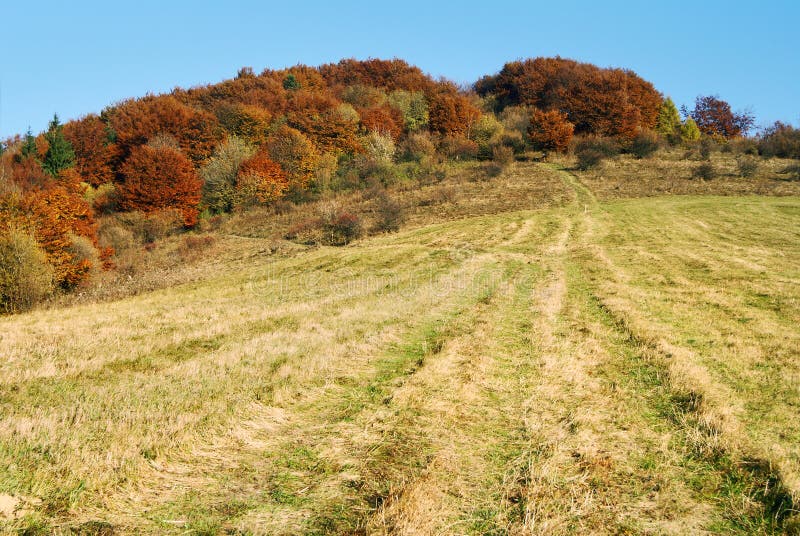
{"points": [[486, 370], [668, 173]]}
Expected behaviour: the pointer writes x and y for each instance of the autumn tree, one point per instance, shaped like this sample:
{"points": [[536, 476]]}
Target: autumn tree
{"points": [[260, 179], [95, 151], [295, 153], [451, 113], [134, 122], [550, 131], [383, 120], [714, 117], [158, 178], [607, 102], [250, 123], [413, 106], [220, 172], [668, 123], [689, 131]]}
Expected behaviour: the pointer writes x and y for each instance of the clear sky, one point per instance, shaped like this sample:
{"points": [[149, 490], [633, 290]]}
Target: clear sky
{"points": [[75, 57]]}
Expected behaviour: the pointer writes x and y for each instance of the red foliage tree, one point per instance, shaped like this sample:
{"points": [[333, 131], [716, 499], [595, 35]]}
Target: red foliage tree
{"points": [[715, 118], [95, 153], [158, 178], [550, 131], [134, 122]]}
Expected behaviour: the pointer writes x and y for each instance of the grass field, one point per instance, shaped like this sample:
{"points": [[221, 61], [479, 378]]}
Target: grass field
{"points": [[612, 367]]}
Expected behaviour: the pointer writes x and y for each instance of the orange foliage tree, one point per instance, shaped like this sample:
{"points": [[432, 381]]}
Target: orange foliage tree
{"points": [[134, 122], [451, 113], [550, 131], [251, 123], [295, 153], [54, 216], [383, 120], [607, 102], [158, 178], [263, 177], [95, 153]]}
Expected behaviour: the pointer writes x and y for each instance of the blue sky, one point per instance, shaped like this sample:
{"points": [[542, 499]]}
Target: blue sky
{"points": [[77, 57]]}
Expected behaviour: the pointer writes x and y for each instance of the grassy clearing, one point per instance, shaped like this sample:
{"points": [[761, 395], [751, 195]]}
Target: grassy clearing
{"points": [[604, 368]]}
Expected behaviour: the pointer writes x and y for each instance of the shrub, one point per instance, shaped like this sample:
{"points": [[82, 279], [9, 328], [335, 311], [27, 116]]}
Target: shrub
{"points": [[592, 150], [792, 172], [748, 166], [485, 132], [25, 276], [340, 227], [388, 212], [645, 144], [85, 253], [705, 171], [379, 147], [503, 156], [743, 146], [780, 140], [417, 147], [147, 228], [707, 146], [550, 131], [334, 227], [514, 140], [459, 148]]}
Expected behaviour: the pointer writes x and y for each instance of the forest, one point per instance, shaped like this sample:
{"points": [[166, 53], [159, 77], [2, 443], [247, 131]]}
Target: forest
{"points": [[174, 161]]}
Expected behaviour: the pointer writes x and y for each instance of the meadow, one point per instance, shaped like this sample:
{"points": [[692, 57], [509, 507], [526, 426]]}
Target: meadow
{"points": [[556, 356]]}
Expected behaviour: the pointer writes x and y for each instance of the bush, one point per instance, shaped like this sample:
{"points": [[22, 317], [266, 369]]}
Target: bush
{"points": [[792, 172], [342, 229], [334, 227], [592, 150], [550, 131], [514, 140], [705, 171], [379, 148], [645, 144], [459, 148], [748, 166], [147, 228], [503, 156], [417, 147], [707, 146], [780, 140], [388, 213], [85, 253], [25, 276]]}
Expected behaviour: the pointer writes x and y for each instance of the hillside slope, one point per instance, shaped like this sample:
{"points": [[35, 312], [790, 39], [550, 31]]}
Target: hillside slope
{"points": [[622, 367]]}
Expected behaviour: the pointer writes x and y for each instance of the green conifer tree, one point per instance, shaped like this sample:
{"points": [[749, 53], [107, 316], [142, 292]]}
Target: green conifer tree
{"points": [[60, 155], [29, 145]]}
